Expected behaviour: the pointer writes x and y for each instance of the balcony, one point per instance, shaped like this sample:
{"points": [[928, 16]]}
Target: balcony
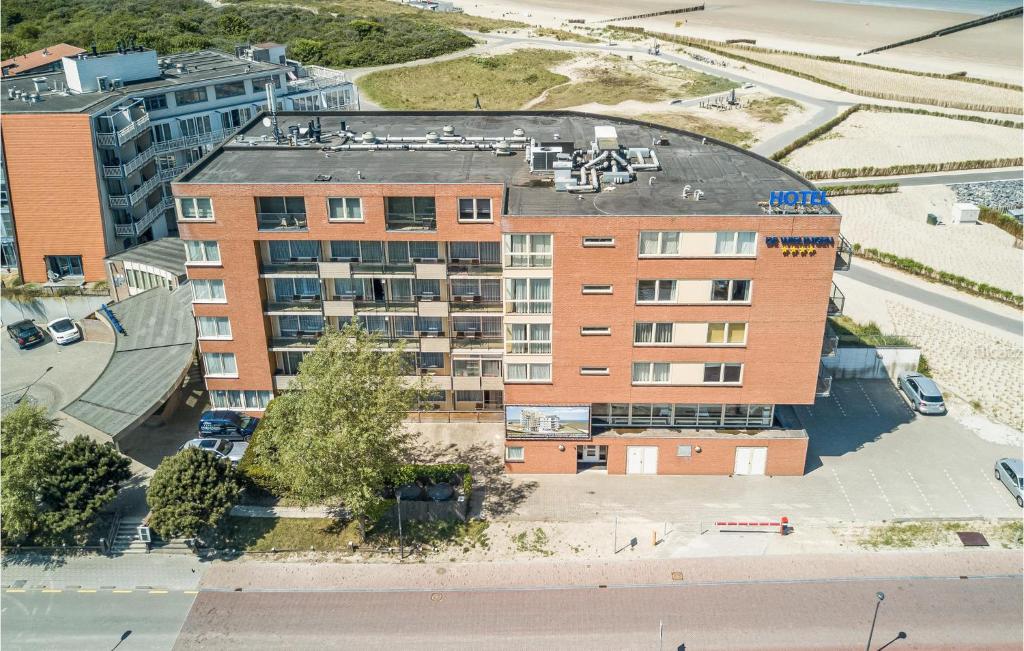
{"points": [[319, 79], [829, 345], [824, 386], [124, 134], [187, 142], [291, 269], [379, 268], [137, 195], [295, 341], [281, 221], [473, 268], [282, 381], [475, 304], [363, 305], [844, 255], [139, 227], [298, 305], [836, 301], [464, 340], [172, 173]]}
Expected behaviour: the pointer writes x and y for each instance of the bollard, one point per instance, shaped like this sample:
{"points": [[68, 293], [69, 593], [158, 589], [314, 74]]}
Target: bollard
{"points": [[783, 526], [654, 538]]}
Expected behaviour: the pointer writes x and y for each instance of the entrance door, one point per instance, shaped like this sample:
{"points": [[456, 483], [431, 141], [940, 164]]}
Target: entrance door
{"points": [[591, 453], [750, 461], [641, 460]]}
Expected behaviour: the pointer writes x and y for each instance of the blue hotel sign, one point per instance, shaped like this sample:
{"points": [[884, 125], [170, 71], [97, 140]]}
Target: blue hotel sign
{"points": [[799, 244], [797, 198]]}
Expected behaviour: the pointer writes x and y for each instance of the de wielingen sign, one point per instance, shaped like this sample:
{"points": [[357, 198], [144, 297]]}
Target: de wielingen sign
{"points": [[797, 198], [799, 244]]}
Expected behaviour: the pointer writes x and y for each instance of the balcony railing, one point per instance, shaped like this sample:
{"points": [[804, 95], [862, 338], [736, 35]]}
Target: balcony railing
{"points": [[139, 227], [830, 345], [824, 386], [292, 267], [124, 134], [137, 195], [474, 304], [529, 307], [281, 221], [297, 341], [836, 301], [410, 224], [319, 79], [187, 142], [379, 267], [461, 267], [295, 305], [844, 255], [464, 340], [171, 173], [371, 305], [140, 160]]}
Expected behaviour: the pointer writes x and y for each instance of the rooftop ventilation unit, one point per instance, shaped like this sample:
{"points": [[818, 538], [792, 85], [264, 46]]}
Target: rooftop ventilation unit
{"points": [[40, 84], [606, 137]]}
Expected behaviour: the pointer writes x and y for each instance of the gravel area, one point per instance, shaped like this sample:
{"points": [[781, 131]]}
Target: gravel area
{"points": [[1006, 195]]}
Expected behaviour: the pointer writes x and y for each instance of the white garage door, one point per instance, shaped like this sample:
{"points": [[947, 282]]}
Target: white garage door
{"points": [[750, 461], [641, 460]]}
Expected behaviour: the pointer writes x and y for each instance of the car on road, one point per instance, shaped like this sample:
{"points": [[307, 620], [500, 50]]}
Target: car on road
{"points": [[1011, 473], [63, 331], [25, 333], [228, 450], [923, 393], [748, 85], [228, 425]]}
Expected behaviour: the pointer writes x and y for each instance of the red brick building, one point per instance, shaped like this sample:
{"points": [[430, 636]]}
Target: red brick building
{"points": [[620, 294]]}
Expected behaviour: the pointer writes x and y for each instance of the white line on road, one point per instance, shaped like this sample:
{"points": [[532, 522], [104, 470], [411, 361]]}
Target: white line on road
{"points": [[923, 496], [846, 495], [996, 486], [959, 492], [868, 398], [880, 490]]}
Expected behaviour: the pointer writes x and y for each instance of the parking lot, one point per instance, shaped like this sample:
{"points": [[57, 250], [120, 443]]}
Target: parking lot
{"points": [[870, 458]]}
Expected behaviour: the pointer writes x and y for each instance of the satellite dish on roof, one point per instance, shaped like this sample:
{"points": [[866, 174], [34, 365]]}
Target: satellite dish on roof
{"points": [[266, 122]]}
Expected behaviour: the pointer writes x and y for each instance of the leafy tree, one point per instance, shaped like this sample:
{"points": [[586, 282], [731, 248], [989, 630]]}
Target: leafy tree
{"points": [[85, 478], [190, 492], [339, 435], [29, 444]]}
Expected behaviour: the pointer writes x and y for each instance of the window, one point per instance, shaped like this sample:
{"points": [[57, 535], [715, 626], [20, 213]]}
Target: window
{"points": [[259, 84], [598, 241], [528, 338], [208, 291], [156, 102], [214, 327], [474, 210], [651, 372], [597, 289], [476, 252], [516, 454], [189, 96], [273, 213], [653, 243], [293, 250], [345, 209], [475, 326], [593, 370], [297, 289], [471, 289], [429, 325], [357, 251], [722, 373], [220, 364], [652, 333], [295, 326], [524, 250], [732, 291], [735, 243], [476, 367], [201, 252], [195, 208], [430, 360], [684, 450], [727, 333], [528, 295], [656, 291], [229, 89], [410, 214], [245, 400], [195, 126], [683, 415], [595, 331], [469, 396], [528, 372]]}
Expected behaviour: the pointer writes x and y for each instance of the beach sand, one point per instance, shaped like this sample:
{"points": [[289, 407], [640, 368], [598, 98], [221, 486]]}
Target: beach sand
{"points": [[992, 51]]}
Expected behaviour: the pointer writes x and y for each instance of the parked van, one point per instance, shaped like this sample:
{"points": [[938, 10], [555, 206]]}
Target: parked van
{"points": [[227, 425]]}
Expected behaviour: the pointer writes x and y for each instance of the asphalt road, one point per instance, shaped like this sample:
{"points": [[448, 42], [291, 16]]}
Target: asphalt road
{"points": [[945, 613], [86, 621], [934, 299]]}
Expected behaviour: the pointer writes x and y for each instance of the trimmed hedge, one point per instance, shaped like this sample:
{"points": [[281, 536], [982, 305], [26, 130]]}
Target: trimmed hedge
{"points": [[432, 473], [1001, 220], [860, 188], [916, 268], [815, 134], [915, 168]]}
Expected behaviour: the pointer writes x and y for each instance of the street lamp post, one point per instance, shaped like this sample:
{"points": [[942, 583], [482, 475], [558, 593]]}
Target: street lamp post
{"points": [[401, 544], [881, 598]]}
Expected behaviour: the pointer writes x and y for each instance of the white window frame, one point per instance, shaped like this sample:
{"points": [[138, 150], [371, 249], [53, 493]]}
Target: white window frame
{"points": [[729, 325], [721, 373], [650, 373], [661, 244], [205, 215], [203, 249], [595, 331], [598, 241], [517, 457], [532, 305], [530, 378], [684, 451], [534, 259], [731, 242], [732, 284], [223, 361], [476, 218], [654, 333], [346, 207], [594, 370], [596, 289], [241, 404], [534, 345], [216, 319], [213, 283], [674, 293]]}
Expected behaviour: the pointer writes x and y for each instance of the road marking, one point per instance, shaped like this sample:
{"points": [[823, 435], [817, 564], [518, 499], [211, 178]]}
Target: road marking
{"points": [[122, 591], [868, 398], [15, 590], [997, 486], [157, 592], [923, 496], [959, 492], [86, 590], [884, 496], [846, 495], [190, 592], [835, 396], [51, 590]]}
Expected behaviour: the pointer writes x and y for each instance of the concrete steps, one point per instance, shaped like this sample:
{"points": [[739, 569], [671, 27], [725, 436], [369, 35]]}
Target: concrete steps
{"points": [[126, 538]]}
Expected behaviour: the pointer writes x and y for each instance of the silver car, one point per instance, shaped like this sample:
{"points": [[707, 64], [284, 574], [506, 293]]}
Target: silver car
{"points": [[232, 451], [923, 393], [1011, 473]]}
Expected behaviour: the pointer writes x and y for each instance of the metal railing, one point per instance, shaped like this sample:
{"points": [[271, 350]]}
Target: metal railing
{"points": [[463, 340], [124, 134], [319, 79], [209, 138], [844, 255], [830, 345], [457, 267], [170, 173], [138, 227], [291, 267], [297, 305], [141, 159], [836, 301], [140, 193], [475, 304], [281, 221], [824, 386], [299, 340]]}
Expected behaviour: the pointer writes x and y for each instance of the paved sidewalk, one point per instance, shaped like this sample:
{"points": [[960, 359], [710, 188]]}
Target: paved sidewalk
{"points": [[92, 571], [257, 575], [283, 511]]}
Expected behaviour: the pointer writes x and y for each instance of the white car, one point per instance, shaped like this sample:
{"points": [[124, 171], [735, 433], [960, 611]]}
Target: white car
{"points": [[232, 451], [748, 85], [63, 331]]}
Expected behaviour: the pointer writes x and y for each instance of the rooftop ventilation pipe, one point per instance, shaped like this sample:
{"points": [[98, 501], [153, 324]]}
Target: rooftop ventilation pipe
{"points": [[448, 130], [40, 84], [697, 194]]}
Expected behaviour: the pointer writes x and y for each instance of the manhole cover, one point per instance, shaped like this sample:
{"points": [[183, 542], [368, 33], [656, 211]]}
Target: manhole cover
{"points": [[972, 539], [677, 576], [436, 596]]}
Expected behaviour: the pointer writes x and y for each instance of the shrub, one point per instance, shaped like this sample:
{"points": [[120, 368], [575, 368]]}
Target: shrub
{"points": [[1001, 220], [431, 473], [190, 493]]}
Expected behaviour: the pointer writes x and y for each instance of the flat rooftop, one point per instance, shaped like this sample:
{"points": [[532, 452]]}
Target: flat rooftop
{"points": [[167, 253], [733, 181], [203, 66]]}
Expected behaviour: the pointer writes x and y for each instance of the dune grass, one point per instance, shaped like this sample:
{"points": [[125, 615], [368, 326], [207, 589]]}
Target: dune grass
{"points": [[503, 82], [772, 109], [704, 127]]}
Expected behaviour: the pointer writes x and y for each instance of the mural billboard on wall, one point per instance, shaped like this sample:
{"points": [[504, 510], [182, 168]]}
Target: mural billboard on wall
{"points": [[528, 421]]}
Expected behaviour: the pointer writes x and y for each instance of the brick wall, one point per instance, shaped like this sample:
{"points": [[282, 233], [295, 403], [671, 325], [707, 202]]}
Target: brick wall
{"points": [[54, 191]]}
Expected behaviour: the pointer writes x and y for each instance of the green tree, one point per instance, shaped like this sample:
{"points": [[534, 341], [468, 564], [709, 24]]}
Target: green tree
{"points": [[339, 435], [190, 492], [29, 444], [85, 478]]}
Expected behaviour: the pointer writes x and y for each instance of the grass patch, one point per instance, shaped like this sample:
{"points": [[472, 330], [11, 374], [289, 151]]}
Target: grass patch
{"points": [[285, 534], [695, 84], [438, 533], [1010, 534], [772, 109], [503, 82], [704, 127], [861, 335], [532, 542], [563, 35], [912, 534]]}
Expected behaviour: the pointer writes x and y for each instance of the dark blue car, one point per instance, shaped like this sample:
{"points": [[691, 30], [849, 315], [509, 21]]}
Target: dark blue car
{"points": [[227, 425]]}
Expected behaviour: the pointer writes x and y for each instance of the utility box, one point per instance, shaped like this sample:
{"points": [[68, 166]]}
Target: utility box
{"points": [[965, 213], [933, 219]]}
